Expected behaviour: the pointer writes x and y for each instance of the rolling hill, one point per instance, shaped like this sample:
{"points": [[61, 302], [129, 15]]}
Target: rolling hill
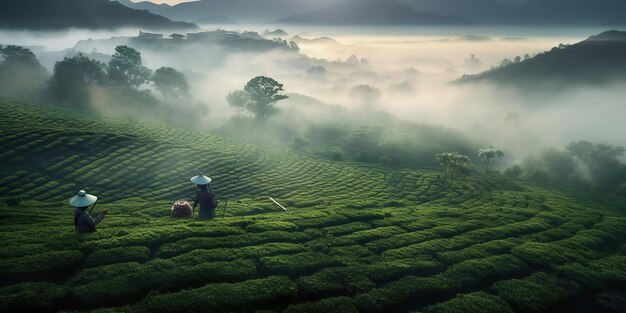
{"points": [[355, 238], [238, 10], [90, 14], [596, 60], [371, 12]]}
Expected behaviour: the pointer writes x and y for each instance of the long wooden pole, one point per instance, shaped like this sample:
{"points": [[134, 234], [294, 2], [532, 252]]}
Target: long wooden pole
{"points": [[278, 204]]}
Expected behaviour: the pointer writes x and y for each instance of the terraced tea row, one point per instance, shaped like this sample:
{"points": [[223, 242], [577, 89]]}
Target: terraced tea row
{"points": [[356, 238], [383, 258], [118, 159]]}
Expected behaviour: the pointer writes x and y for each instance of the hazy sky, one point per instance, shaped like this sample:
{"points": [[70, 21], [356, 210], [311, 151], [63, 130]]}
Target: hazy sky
{"points": [[509, 3]]}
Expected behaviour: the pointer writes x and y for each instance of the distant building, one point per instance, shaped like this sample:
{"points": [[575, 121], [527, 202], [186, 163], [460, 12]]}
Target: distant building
{"points": [[177, 36], [150, 36]]}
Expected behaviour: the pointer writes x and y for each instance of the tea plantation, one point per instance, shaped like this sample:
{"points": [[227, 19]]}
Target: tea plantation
{"points": [[355, 238]]}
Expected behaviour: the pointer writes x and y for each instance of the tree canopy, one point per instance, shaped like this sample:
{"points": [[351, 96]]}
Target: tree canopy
{"points": [[171, 83], [489, 155], [126, 70], [453, 164], [74, 77], [258, 97], [21, 74]]}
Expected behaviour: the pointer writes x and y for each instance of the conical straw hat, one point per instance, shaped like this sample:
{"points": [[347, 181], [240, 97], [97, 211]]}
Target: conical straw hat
{"points": [[83, 199], [200, 180]]}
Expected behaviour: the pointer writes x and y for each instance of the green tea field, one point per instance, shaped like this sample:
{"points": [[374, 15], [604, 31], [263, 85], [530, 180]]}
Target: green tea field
{"points": [[355, 237]]}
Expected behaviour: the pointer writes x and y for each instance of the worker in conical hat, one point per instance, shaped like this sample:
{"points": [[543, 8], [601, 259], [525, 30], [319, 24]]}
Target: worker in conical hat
{"points": [[84, 222], [204, 197]]}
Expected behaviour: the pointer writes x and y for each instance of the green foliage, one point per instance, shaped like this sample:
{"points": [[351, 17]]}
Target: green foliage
{"points": [[190, 244], [297, 264], [115, 255], [21, 75], [476, 302], [299, 143], [74, 80], [454, 164], [31, 297], [263, 226], [536, 293], [394, 295], [223, 297], [330, 305], [601, 161], [356, 237], [49, 261], [258, 97], [471, 272], [489, 155], [125, 282], [334, 281], [387, 271], [125, 70], [12, 201], [597, 274], [171, 83], [229, 254]]}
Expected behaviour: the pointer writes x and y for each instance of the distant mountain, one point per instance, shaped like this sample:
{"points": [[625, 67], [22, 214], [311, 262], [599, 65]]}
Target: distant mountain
{"points": [[573, 12], [372, 12], [144, 5], [238, 10], [486, 11], [596, 60], [92, 14]]}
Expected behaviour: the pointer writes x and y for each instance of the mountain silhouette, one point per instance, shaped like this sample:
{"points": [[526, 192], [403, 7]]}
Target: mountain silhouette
{"points": [[596, 60], [372, 12], [238, 10], [91, 14]]}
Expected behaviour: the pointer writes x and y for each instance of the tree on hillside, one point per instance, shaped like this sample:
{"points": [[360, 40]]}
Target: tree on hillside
{"points": [[171, 83], [602, 160], [74, 78], [21, 74], [489, 155], [258, 97], [454, 164], [365, 94], [126, 70]]}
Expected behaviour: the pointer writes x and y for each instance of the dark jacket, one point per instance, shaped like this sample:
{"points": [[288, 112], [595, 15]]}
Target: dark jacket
{"points": [[85, 223], [205, 199]]}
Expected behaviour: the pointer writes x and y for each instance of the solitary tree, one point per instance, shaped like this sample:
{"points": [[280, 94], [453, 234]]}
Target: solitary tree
{"points": [[489, 155], [453, 164], [171, 83], [126, 69], [258, 97]]}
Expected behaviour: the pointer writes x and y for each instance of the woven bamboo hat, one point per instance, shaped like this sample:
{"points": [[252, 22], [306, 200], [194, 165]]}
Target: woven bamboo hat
{"points": [[200, 180], [83, 199]]}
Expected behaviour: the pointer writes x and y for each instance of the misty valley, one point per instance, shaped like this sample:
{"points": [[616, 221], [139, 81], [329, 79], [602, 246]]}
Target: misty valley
{"points": [[358, 156]]}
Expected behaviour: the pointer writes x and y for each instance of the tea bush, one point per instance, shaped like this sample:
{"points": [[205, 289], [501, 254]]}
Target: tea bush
{"points": [[486, 244]]}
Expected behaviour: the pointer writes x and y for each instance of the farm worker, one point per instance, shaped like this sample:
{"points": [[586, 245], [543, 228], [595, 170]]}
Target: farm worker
{"points": [[84, 222], [204, 197]]}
